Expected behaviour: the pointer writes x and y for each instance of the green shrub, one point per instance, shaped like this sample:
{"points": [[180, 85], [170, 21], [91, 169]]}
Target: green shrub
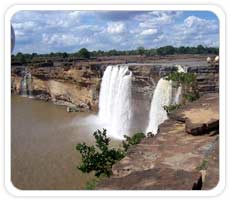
{"points": [[129, 141], [91, 184], [170, 108], [188, 83], [191, 96], [181, 77], [99, 158], [203, 165]]}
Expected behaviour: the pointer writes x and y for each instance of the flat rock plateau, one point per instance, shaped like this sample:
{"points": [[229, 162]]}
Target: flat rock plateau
{"points": [[176, 158]]}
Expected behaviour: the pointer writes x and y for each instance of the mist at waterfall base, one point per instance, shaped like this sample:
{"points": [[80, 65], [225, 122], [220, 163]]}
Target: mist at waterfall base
{"points": [[115, 104], [119, 113]]}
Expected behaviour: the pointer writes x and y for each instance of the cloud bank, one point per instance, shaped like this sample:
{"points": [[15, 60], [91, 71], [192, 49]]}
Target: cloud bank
{"points": [[68, 31]]}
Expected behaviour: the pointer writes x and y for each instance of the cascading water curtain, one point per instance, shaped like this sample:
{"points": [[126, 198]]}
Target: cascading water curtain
{"points": [[115, 100], [162, 96]]}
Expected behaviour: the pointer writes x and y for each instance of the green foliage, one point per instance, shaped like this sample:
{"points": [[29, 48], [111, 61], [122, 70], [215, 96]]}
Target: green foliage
{"points": [[203, 165], [181, 77], [191, 96], [129, 141], [187, 80], [84, 53], [170, 108], [22, 58], [65, 55], [166, 50], [140, 50], [99, 158], [91, 184], [19, 58]]}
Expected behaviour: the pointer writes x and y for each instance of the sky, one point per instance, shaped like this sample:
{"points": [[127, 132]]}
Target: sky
{"points": [[69, 31]]}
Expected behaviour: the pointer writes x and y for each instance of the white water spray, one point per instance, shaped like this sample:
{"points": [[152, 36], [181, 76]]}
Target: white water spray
{"points": [[162, 96], [115, 100], [26, 85], [179, 89]]}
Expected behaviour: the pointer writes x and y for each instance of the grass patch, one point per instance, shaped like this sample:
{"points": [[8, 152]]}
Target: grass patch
{"points": [[172, 107], [203, 165], [92, 184]]}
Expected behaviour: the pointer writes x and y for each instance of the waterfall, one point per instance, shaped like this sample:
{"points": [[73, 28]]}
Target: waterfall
{"points": [[179, 89], [162, 96], [115, 100], [26, 85], [177, 96]]}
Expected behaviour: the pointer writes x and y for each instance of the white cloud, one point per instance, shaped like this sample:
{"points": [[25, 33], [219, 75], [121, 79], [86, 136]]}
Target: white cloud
{"points": [[60, 39], [18, 33], [116, 28], [148, 32], [201, 25], [75, 14], [26, 26], [71, 30], [194, 31], [157, 18], [64, 40]]}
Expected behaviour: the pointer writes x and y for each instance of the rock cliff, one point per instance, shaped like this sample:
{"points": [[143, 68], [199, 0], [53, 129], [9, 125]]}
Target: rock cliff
{"points": [[78, 87], [174, 159], [73, 87]]}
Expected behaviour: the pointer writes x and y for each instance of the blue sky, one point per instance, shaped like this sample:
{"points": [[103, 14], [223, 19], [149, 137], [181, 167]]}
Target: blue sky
{"points": [[68, 31]]}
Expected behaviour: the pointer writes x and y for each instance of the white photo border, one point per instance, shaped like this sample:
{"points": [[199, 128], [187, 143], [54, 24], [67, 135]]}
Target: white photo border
{"points": [[105, 193]]}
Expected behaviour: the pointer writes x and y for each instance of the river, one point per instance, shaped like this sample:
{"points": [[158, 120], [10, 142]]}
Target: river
{"points": [[43, 141]]}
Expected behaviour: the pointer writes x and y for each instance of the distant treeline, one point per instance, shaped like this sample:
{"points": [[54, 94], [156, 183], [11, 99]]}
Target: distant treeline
{"points": [[85, 54]]}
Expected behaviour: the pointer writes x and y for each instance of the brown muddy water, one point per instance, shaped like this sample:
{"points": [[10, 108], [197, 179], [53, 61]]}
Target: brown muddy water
{"points": [[43, 141]]}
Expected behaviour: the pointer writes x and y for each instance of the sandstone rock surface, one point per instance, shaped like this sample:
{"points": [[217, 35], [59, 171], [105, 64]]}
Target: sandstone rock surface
{"points": [[173, 159], [79, 83]]}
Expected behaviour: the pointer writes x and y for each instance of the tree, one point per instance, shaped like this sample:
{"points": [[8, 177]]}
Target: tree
{"points": [[140, 50], [100, 158], [200, 49], [20, 57], [64, 55], [188, 83], [84, 53], [166, 50]]}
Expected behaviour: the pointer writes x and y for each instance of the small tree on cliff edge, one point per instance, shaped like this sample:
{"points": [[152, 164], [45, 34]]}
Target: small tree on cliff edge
{"points": [[101, 156], [84, 53]]}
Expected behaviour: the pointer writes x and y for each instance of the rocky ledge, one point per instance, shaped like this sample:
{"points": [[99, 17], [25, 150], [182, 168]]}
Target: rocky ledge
{"points": [[78, 86], [75, 87], [176, 158]]}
